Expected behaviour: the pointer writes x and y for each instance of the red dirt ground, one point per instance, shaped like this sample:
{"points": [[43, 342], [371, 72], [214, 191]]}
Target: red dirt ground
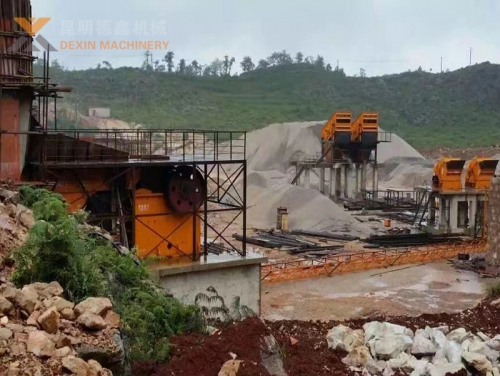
{"points": [[200, 355]]}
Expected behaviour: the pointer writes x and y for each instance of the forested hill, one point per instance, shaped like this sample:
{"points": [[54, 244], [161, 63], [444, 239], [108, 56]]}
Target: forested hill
{"points": [[459, 108]]}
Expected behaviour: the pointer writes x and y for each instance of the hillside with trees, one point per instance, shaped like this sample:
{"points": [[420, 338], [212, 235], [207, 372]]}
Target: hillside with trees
{"points": [[454, 109]]}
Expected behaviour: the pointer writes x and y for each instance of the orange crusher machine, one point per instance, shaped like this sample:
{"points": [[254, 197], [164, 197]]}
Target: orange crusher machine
{"points": [[156, 209], [342, 138]]}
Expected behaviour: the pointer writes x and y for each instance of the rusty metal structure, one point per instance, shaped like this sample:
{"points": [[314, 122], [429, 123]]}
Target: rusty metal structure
{"points": [[156, 190], [291, 270]]}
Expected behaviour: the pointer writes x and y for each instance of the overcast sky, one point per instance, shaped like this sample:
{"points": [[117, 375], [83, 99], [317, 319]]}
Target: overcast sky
{"points": [[381, 36]]}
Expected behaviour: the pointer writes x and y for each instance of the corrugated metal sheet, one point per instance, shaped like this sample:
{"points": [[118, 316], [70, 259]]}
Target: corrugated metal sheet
{"points": [[15, 67]]}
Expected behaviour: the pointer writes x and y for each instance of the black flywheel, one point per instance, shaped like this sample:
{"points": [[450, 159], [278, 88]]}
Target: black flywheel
{"points": [[185, 190]]}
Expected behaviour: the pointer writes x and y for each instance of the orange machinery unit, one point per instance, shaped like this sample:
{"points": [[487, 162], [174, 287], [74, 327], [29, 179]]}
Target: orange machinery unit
{"points": [[165, 202], [448, 174], [479, 173], [364, 132], [338, 130]]}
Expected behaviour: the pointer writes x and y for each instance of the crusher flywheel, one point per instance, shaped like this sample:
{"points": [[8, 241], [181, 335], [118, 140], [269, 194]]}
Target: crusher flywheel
{"points": [[185, 189]]}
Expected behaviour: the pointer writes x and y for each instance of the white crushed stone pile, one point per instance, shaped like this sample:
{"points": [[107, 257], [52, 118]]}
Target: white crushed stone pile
{"points": [[382, 348]]}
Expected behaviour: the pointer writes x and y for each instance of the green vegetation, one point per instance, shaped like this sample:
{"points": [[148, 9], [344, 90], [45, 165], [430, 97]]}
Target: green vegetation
{"points": [[453, 109], [59, 249], [493, 291]]}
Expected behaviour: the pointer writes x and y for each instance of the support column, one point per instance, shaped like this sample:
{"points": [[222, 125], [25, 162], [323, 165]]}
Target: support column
{"points": [[332, 183], [338, 181], [363, 177], [322, 180], [346, 181], [307, 178], [375, 181], [356, 181]]}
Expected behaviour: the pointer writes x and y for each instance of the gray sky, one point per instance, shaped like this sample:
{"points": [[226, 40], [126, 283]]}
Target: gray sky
{"points": [[381, 36]]}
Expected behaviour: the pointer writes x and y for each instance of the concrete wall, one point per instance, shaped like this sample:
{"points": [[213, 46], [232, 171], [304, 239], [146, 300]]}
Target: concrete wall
{"points": [[493, 249], [242, 281]]}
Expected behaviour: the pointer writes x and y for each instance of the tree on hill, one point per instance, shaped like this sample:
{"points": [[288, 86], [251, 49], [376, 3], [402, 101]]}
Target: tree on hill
{"points": [[196, 68], [263, 64], [280, 58], [182, 66], [299, 58], [169, 59], [227, 65], [247, 64], [320, 62]]}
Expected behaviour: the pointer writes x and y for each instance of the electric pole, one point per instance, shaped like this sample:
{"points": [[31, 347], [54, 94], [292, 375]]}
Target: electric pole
{"points": [[470, 56], [441, 65]]}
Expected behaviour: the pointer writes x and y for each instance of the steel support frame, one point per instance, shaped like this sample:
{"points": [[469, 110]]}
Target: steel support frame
{"points": [[227, 174]]}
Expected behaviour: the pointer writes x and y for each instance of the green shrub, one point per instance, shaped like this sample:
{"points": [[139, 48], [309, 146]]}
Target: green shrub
{"points": [[58, 249], [493, 291]]}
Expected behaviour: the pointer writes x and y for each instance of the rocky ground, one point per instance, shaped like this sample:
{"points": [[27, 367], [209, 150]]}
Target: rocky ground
{"points": [[41, 333], [436, 345]]}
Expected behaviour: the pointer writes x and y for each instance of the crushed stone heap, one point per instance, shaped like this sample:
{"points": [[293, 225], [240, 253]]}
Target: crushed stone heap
{"points": [[41, 333]]}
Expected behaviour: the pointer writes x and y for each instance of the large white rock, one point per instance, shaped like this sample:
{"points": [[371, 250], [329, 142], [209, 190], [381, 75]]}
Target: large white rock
{"points": [[403, 362], [453, 352], [422, 346], [344, 338], [96, 306], [477, 361], [374, 367], [494, 343], [357, 357], [420, 368], [376, 329], [438, 338], [390, 346], [457, 335], [41, 344]]}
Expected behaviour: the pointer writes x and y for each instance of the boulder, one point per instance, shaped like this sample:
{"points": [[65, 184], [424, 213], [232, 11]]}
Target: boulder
{"points": [[14, 369], [47, 290], [457, 335], [112, 359], [453, 352], [445, 329], [377, 329], [112, 319], [5, 334], [422, 346], [68, 314], [6, 307], [76, 366], [62, 352], [40, 343], [230, 368], [375, 367], [494, 343], [33, 319], [477, 362], [27, 219], [476, 345], [420, 368], [271, 357], [483, 336], [438, 338], [26, 299], [49, 320], [390, 346], [357, 357], [403, 362], [96, 306], [91, 321], [344, 338], [4, 320], [10, 293], [58, 302]]}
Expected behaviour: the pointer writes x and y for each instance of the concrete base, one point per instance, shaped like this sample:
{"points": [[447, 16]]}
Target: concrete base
{"points": [[230, 275]]}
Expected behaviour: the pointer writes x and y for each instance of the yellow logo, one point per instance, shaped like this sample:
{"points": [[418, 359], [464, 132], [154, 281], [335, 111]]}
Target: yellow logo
{"points": [[32, 25]]}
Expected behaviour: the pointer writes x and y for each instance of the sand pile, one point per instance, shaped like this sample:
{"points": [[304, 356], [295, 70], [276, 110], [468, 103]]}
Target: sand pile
{"points": [[406, 173], [308, 209]]}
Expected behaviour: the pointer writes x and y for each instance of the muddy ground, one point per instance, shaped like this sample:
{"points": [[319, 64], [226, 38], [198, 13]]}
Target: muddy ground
{"points": [[200, 355], [404, 290]]}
